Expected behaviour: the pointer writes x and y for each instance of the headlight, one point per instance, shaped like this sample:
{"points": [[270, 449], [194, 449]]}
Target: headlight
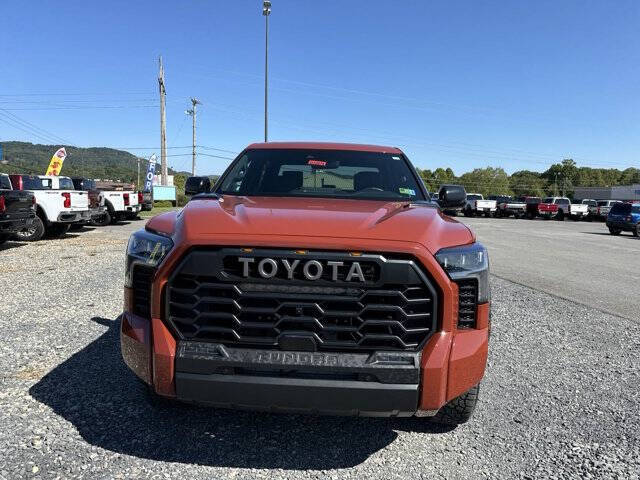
{"points": [[467, 262], [146, 248]]}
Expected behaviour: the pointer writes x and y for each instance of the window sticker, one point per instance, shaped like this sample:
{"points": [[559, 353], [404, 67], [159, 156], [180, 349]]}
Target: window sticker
{"points": [[317, 163], [407, 191], [396, 157]]}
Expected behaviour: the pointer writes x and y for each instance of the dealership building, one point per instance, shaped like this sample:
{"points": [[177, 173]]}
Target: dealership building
{"points": [[622, 192]]}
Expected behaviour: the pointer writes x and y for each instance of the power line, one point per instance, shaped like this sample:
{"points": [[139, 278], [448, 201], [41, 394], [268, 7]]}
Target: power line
{"points": [[35, 127]]}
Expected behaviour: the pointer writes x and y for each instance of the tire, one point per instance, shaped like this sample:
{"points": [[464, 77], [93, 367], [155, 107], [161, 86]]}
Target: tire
{"points": [[458, 410], [560, 216], [3, 238], [32, 234], [614, 231], [76, 226], [636, 231], [103, 220], [487, 214], [56, 230]]}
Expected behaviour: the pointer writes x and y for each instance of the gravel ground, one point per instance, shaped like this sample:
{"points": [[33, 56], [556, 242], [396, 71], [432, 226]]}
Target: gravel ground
{"points": [[560, 399]]}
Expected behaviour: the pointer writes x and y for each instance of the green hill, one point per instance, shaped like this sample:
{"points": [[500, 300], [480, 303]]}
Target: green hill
{"points": [[95, 162]]}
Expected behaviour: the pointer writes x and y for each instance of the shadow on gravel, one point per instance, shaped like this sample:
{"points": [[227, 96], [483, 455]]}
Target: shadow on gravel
{"points": [[9, 244], [96, 392], [83, 228], [629, 236]]}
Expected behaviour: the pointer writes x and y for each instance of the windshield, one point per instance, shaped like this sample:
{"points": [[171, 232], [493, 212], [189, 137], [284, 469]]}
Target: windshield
{"points": [[474, 197], [84, 184], [321, 173], [35, 183], [591, 203], [65, 183], [621, 209], [5, 183]]}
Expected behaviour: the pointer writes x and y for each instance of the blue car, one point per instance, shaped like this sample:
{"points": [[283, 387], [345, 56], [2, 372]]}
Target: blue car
{"points": [[624, 217]]}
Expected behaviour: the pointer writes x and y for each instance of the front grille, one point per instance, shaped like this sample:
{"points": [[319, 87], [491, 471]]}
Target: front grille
{"points": [[141, 280], [467, 302], [394, 308]]}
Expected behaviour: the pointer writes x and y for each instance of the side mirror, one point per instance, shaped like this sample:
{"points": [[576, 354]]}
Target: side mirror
{"points": [[452, 196], [196, 185]]}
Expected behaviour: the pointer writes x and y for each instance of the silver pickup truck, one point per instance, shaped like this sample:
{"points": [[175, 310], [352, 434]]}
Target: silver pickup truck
{"points": [[603, 208]]}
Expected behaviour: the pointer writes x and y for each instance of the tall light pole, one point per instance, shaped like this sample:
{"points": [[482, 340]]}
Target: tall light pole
{"points": [[266, 11], [192, 112], [163, 123]]}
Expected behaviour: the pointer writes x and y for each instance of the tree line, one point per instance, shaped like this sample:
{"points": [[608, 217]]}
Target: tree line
{"points": [[559, 179]]}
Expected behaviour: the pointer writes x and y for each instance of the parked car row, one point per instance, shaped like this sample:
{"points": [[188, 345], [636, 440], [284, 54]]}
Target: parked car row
{"points": [[620, 216], [558, 208], [34, 206]]}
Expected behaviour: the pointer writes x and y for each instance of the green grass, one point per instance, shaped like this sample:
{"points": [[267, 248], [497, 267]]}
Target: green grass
{"points": [[157, 211]]}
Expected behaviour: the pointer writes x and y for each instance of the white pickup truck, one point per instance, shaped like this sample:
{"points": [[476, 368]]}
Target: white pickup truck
{"points": [[58, 205], [120, 204], [477, 205], [575, 211]]}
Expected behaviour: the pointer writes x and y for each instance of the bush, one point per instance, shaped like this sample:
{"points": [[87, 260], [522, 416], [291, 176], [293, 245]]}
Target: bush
{"points": [[182, 199]]}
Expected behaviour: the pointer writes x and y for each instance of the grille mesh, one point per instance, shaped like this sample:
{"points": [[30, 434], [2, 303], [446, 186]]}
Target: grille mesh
{"points": [[342, 317], [467, 301], [141, 284]]}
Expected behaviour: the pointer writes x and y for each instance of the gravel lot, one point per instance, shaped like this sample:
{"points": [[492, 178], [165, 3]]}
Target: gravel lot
{"points": [[560, 399]]}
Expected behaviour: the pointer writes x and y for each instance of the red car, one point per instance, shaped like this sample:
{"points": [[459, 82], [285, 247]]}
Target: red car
{"points": [[315, 278]]}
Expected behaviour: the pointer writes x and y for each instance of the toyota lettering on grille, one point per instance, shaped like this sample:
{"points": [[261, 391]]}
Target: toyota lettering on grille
{"points": [[309, 270]]}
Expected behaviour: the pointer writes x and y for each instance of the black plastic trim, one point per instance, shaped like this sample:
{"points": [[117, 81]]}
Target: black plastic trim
{"points": [[383, 384], [392, 367]]}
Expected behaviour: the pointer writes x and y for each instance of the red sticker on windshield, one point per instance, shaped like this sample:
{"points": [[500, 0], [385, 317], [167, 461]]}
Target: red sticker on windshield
{"points": [[317, 163]]}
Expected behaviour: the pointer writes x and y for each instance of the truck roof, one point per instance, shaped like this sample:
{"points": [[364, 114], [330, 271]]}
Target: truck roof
{"points": [[326, 146]]}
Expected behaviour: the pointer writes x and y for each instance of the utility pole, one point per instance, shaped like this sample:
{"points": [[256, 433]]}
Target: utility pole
{"points": [[266, 11], [138, 178], [192, 112], [163, 124]]}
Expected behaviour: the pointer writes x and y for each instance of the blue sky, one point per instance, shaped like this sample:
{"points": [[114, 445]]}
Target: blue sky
{"points": [[460, 84]]}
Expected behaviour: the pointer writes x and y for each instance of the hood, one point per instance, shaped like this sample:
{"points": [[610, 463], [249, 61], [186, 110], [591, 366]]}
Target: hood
{"points": [[316, 217]]}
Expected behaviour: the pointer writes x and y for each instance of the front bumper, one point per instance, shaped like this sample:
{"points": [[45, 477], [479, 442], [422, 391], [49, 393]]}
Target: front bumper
{"points": [[73, 217], [381, 384]]}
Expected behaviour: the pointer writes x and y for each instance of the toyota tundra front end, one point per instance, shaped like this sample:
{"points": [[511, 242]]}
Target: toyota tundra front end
{"points": [[315, 278]]}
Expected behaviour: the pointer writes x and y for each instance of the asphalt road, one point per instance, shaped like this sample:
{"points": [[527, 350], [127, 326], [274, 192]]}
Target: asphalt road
{"points": [[560, 398], [579, 261]]}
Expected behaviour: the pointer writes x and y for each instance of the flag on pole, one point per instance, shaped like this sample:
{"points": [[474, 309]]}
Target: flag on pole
{"points": [[151, 171], [55, 165]]}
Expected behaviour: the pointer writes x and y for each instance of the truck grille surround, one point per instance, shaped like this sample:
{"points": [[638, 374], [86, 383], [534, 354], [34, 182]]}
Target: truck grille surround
{"points": [[214, 296]]}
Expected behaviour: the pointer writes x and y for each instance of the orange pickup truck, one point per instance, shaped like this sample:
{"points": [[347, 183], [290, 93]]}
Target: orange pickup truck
{"points": [[315, 278]]}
